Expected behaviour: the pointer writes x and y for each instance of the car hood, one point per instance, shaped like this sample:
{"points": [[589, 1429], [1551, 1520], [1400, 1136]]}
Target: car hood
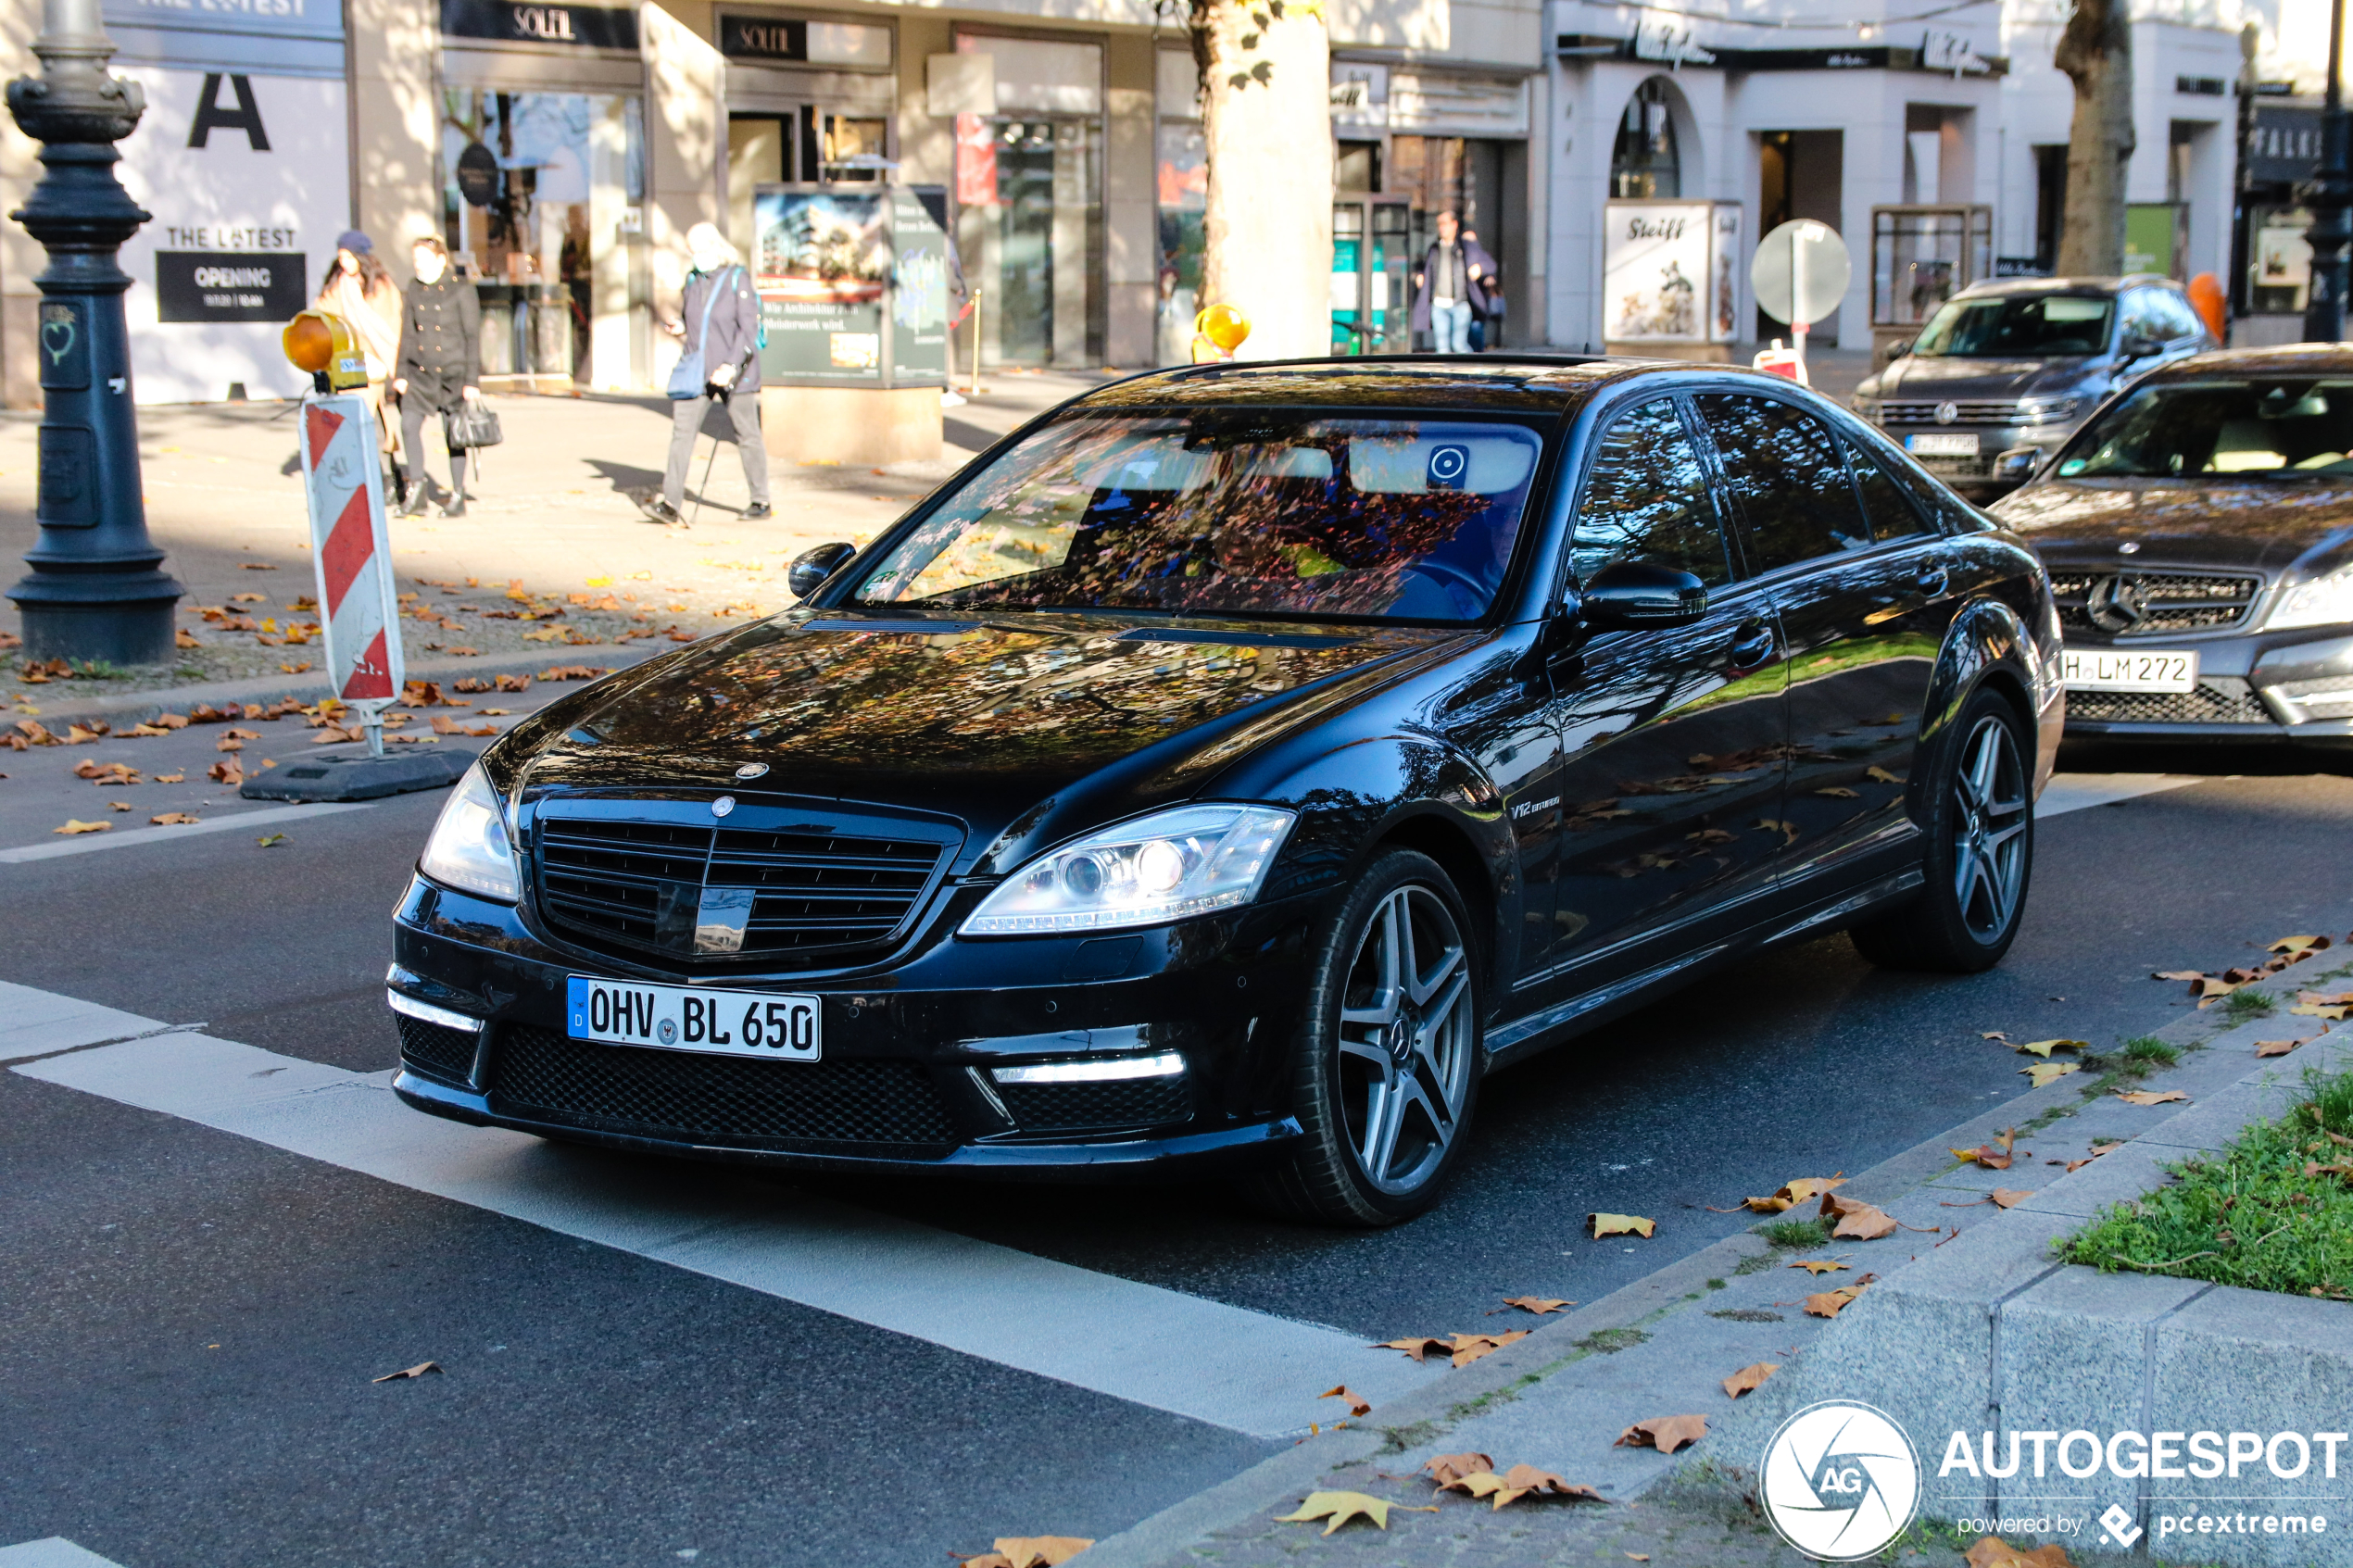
{"points": [[1913, 376], [993, 719], [2264, 525]]}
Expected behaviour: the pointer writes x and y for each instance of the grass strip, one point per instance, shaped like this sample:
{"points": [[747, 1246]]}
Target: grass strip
{"points": [[2272, 1212]]}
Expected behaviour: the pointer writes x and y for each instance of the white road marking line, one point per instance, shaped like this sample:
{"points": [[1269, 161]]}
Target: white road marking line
{"points": [[55, 1553], [2078, 792], [36, 1023], [1230, 1367], [83, 843]]}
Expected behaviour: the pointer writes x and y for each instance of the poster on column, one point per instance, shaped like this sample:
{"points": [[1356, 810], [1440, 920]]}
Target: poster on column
{"points": [[821, 260], [247, 175]]}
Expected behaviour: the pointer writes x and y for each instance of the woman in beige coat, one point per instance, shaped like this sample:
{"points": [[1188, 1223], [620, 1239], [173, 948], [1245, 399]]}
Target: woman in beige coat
{"points": [[360, 290]]}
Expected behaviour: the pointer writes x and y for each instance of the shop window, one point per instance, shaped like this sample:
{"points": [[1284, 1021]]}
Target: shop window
{"points": [[1358, 166], [855, 148], [1030, 225], [1182, 198], [1643, 162], [536, 188]]}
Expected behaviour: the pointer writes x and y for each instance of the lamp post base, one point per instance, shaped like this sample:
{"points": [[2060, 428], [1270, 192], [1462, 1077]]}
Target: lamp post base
{"points": [[67, 620]]}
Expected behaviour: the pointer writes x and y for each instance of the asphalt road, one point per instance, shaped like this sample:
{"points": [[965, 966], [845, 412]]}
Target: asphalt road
{"points": [[191, 1317]]}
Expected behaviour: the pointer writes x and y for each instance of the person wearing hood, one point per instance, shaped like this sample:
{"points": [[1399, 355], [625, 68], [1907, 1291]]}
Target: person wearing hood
{"points": [[718, 327]]}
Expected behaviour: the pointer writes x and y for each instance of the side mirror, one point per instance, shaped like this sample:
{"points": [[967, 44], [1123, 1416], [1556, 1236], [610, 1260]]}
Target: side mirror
{"points": [[1899, 348], [810, 568], [1634, 594], [2135, 347], [2017, 465]]}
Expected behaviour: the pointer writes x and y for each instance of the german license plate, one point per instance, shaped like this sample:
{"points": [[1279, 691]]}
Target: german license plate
{"points": [[2136, 670], [1949, 445], [692, 1018]]}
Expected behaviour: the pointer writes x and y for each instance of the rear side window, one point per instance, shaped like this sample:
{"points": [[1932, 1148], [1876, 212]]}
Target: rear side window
{"points": [[1890, 510], [1786, 476], [1648, 501]]}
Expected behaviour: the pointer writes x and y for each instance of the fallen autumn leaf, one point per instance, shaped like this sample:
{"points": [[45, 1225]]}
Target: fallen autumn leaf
{"points": [[1664, 1433], [417, 1371], [1749, 1378], [1341, 1507], [1357, 1403], [1601, 1225], [2151, 1096], [1857, 1222], [1539, 1305], [1992, 1552], [74, 826], [1031, 1552], [1817, 1265], [171, 819], [2047, 1073], [1446, 1467]]}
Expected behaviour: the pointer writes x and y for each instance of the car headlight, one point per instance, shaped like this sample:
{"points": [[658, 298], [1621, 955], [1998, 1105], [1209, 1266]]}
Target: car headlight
{"points": [[469, 848], [2321, 601], [1156, 869]]}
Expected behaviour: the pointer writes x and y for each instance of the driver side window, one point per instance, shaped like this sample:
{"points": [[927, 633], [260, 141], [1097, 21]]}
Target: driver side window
{"points": [[1647, 500]]}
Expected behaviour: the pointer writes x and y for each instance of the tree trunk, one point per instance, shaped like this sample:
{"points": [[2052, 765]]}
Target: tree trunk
{"points": [[2095, 51], [1270, 221]]}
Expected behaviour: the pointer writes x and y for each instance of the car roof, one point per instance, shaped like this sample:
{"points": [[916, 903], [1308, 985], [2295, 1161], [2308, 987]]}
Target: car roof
{"points": [[2280, 359], [1999, 287], [1501, 382]]}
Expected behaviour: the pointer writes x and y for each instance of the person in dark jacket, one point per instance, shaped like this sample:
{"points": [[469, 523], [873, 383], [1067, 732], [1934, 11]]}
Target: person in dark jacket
{"points": [[719, 291], [1454, 282], [439, 367]]}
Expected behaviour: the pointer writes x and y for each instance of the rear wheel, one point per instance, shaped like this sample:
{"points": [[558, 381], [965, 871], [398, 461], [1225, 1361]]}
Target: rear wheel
{"points": [[1981, 852], [1386, 1064]]}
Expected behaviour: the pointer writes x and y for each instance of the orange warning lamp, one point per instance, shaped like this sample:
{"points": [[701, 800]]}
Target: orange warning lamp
{"points": [[2205, 295], [325, 346], [1223, 325]]}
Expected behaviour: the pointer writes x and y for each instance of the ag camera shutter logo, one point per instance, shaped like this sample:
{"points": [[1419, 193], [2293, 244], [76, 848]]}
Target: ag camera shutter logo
{"points": [[1839, 1481]]}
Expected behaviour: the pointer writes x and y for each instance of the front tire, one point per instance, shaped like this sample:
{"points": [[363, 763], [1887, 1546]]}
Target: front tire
{"points": [[1981, 852], [1387, 1061]]}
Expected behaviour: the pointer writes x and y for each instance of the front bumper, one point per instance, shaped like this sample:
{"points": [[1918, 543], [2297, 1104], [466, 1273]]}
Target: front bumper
{"points": [[2254, 688], [906, 1081]]}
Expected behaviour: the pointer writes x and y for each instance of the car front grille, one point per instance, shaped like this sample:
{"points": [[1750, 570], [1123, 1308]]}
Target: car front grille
{"points": [[1979, 412], [892, 1107], [2217, 699], [816, 895], [1070, 1108], [439, 1049], [2142, 604]]}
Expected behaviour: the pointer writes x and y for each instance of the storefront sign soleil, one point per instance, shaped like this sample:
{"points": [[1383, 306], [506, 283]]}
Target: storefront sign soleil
{"points": [[506, 21], [1672, 44]]}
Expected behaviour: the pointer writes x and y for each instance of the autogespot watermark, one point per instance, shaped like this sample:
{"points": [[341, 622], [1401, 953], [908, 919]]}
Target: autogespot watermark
{"points": [[1840, 1480]]}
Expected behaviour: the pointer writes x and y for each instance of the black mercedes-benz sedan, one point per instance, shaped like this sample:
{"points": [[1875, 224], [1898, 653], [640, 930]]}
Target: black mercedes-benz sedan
{"points": [[1237, 764], [2199, 536]]}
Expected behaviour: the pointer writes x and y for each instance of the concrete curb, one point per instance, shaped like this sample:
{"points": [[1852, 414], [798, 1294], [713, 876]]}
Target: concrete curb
{"points": [[1418, 1419], [71, 705], [1993, 1333]]}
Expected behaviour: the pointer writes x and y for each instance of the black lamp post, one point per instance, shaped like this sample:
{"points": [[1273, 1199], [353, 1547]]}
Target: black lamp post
{"points": [[2328, 193], [96, 590]]}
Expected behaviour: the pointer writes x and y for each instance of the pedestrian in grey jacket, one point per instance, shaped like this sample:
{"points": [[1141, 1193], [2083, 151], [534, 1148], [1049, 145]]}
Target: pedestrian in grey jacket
{"points": [[438, 370], [719, 293]]}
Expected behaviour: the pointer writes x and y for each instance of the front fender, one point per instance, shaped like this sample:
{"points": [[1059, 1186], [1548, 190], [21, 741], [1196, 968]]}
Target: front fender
{"points": [[1400, 789], [1988, 640]]}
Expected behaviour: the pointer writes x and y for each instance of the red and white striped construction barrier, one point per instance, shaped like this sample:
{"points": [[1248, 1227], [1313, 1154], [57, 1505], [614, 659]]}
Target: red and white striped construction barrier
{"points": [[358, 601]]}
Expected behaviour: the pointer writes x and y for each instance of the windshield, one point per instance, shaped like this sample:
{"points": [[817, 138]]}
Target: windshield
{"points": [[1230, 511], [2016, 326], [2272, 428]]}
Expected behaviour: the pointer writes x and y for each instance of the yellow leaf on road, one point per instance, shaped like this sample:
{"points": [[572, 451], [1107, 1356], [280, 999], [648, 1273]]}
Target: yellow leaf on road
{"points": [[1857, 1222], [1830, 1303], [1791, 1194], [1341, 1507], [1749, 1378], [1818, 1265], [1602, 1226], [2045, 1047], [2281, 1047], [1539, 1305], [2151, 1096], [2009, 1198], [2045, 1072], [73, 825], [1447, 1468], [171, 819], [1031, 1552], [1357, 1403]]}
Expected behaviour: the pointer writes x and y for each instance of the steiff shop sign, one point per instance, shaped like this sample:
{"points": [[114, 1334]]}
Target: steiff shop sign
{"points": [[508, 21]]}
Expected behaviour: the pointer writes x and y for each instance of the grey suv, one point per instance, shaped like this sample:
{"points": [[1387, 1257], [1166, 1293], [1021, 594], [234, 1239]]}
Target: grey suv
{"points": [[2019, 363]]}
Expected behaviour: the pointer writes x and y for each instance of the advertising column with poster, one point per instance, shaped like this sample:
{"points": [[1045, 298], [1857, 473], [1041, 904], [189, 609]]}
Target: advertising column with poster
{"points": [[243, 158], [853, 286], [1670, 283]]}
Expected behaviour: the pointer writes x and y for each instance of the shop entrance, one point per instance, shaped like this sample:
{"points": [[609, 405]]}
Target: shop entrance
{"points": [[1029, 228], [1372, 275], [1465, 176]]}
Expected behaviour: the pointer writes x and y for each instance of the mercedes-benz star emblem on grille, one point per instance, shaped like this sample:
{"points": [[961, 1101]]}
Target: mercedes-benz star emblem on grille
{"points": [[2114, 605], [2130, 547], [751, 769], [724, 805], [1947, 412]]}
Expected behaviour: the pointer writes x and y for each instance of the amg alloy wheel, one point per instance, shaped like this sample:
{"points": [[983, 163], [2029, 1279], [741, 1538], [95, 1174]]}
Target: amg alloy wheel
{"points": [[1389, 1055], [1980, 855]]}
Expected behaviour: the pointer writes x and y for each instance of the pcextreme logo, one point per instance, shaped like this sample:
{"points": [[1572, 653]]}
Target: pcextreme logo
{"points": [[1839, 1481]]}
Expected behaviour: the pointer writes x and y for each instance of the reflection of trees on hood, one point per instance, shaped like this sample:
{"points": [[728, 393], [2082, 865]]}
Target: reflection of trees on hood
{"points": [[943, 704]]}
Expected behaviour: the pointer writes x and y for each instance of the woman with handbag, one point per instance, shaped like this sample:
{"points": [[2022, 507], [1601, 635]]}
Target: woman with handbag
{"points": [[719, 358], [438, 368], [360, 290]]}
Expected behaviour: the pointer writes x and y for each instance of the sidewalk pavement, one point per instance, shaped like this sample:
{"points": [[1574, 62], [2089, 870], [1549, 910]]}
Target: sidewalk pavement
{"points": [[1561, 1398]]}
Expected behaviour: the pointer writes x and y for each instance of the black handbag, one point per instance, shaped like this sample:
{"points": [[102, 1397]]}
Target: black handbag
{"points": [[471, 426]]}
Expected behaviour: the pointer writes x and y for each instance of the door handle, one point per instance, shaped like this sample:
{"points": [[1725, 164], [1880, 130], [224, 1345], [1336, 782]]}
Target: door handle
{"points": [[1752, 645], [1932, 581]]}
